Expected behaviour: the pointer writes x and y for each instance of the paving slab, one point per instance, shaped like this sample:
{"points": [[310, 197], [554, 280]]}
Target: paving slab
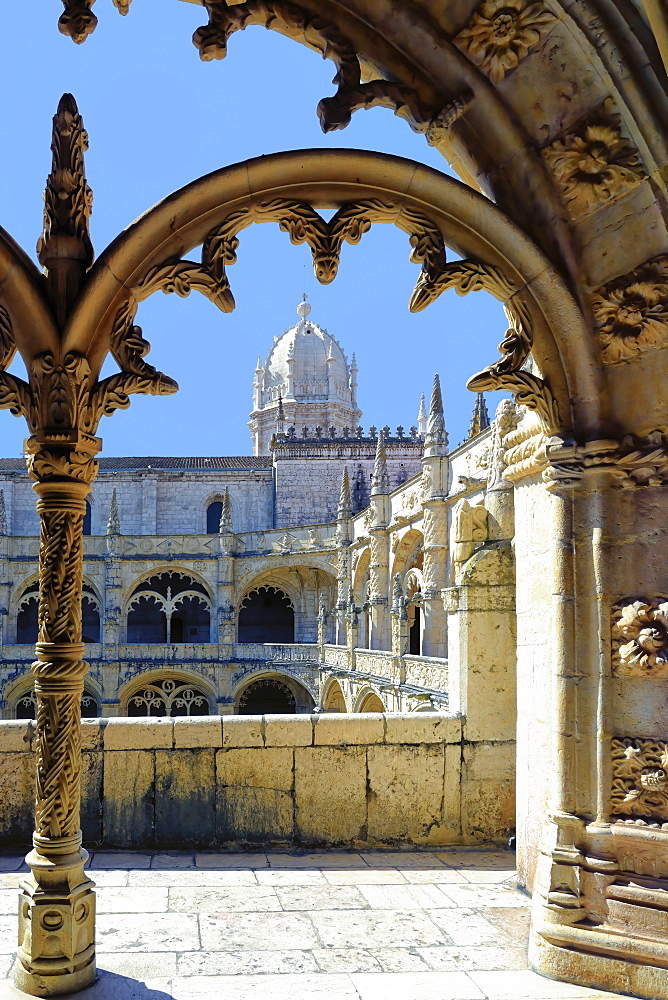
{"points": [[303, 925]]}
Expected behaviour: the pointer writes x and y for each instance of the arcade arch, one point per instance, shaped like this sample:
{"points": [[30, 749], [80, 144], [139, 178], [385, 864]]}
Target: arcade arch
{"points": [[334, 699], [167, 693], [170, 606], [272, 693]]}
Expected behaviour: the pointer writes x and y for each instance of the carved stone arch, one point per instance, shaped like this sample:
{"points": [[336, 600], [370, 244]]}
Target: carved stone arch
{"points": [[289, 571], [361, 573], [368, 695], [363, 187], [404, 556], [304, 698], [166, 568], [152, 677], [450, 71], [333, 696], [21, 691]]}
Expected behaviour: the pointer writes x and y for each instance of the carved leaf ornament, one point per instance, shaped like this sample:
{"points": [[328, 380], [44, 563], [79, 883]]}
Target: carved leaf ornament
{"points": [[501, 33], [313, 31], [631, 312], [645, 629], [640, 781]]}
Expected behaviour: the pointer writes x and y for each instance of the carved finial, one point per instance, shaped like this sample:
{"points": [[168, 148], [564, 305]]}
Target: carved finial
{"points": [[225, 514], [422, 418], [397, 591], [436, 439], [480, 418], [380, 479], [304, 307], [3, 514], [113, 521], [345, 500], [322, 609], [64, 248], [77, 20]]}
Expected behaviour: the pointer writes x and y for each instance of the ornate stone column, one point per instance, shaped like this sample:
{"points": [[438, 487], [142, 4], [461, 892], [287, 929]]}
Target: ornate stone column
{"points": [[343, 567], [435, 528], [57, 906], [380, 550]]}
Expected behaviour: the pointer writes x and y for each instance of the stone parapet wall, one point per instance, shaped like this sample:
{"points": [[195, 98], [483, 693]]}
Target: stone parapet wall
{"points": [[316, 780]]}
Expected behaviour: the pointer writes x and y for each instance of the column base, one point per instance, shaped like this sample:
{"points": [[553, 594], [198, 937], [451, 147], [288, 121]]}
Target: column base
{"points": [[56, 953], [580, 958]]}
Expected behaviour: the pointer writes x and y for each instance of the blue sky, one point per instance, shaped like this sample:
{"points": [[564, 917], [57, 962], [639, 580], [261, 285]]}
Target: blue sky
{"points": [[157, 118]]}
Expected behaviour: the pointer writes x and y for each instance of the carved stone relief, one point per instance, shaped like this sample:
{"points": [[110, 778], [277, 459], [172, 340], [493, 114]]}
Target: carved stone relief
{"points": [[325, 38], [631, 312], [501, 33], [594, 163], [640, 780], [470, 524], [640, 640]]}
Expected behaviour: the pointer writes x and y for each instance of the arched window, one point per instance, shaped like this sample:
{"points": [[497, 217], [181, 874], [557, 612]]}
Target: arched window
{"points": [[266, 615], [267, 696], [26, 619], [26, 706], [167, 608], [87, 519], [213, 513], [168, 697], [90, 616]]}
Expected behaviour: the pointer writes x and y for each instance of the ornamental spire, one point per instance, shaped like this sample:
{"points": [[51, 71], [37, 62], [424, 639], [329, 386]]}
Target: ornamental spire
{"points": [[345, 500], [480, 418], [380, 479], [113, 521], [3, 514], [422, 418], [225, 514], [64, 248], [436, 438]]}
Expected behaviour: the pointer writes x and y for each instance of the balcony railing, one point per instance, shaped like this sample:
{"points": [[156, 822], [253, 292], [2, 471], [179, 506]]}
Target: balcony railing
{"points": [[277, 652]]}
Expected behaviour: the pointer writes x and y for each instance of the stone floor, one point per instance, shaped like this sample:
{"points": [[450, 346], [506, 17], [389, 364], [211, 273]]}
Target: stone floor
{"points": [[414, 925]]}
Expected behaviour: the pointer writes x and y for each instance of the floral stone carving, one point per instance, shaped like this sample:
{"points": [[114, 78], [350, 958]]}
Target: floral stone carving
{"points": [[501, 33], [631, 312], [645, 651], [640, 780], [594, 163]]}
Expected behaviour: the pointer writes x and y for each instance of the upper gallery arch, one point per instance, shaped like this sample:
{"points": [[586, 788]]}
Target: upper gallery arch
{"points": [[362, 187]]}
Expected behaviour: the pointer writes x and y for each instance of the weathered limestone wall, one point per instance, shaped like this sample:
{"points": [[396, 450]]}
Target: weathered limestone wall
{"points": [[322, 779], [163, 502]]}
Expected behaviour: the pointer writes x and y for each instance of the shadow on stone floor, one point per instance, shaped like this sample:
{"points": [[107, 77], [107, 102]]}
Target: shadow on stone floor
{"points": [[108, 986]]}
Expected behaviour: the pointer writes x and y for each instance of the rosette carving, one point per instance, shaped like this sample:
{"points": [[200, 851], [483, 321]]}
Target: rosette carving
{"points": [[594, 163], [640, 640], [640, 780], [501, 33], [631, 312]]}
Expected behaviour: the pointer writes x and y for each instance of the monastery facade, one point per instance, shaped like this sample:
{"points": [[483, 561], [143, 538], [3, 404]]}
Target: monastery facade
{"points": [[292, 580]]}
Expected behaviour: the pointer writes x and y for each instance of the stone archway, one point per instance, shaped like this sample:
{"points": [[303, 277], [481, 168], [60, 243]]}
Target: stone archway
{"points": [[582, 387]]}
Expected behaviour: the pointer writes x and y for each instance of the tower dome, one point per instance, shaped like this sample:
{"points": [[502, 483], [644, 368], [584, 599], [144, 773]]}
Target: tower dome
{"points": [[307, 369]]}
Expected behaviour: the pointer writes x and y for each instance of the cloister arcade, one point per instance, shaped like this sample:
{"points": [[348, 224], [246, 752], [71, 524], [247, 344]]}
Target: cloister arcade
{"points": [[553, 114]]}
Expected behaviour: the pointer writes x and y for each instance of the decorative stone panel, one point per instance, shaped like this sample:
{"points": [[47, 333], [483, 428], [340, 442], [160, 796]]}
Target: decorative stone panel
{"points": [[631, 312], [640, 781], [640, 640], [501, 33], [594, 163]]}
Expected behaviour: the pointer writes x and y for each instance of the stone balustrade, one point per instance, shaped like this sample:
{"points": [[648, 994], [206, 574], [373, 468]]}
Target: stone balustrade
{"points": [[299, 779]]}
